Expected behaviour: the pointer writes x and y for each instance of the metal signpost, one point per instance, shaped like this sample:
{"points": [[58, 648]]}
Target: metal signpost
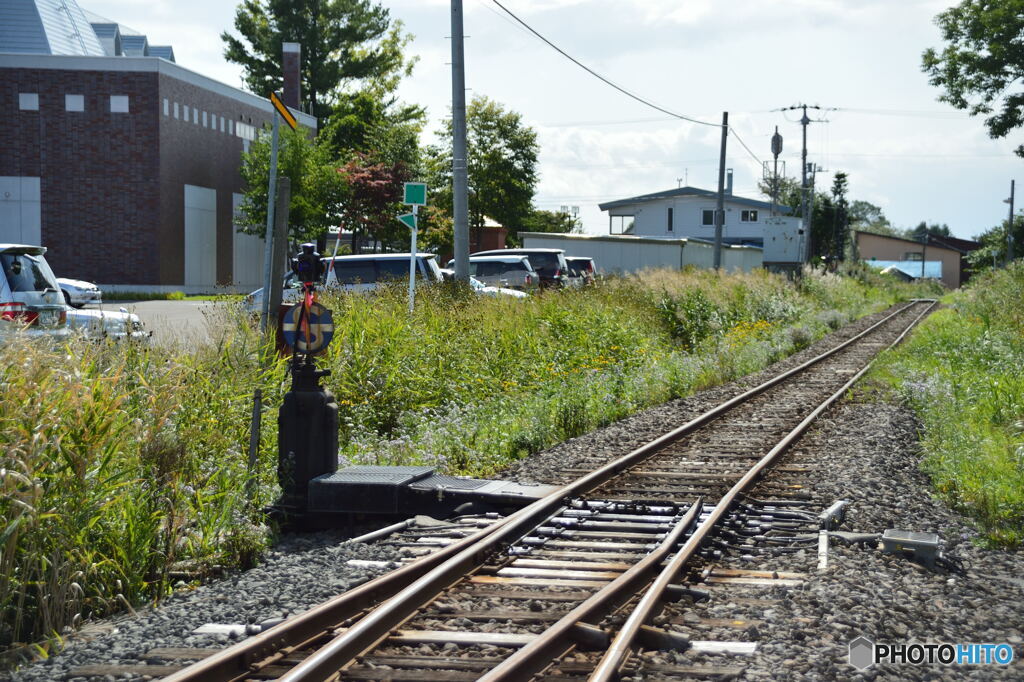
{"points": [[415, 195], [268, 247]]}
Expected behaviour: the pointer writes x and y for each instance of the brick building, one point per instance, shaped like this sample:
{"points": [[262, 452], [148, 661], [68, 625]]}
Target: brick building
{"points": [[122, 163]]}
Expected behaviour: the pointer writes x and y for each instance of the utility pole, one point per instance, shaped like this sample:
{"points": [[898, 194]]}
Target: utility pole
{"points": [[720, 210], [460, 200], [1009, 228], [805, 200], [804, 204]]}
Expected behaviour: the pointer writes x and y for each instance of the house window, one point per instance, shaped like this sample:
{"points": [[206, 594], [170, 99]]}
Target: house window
{"points": [[670, 219], [707, 217], [119, 104], [176, 110], [28, 101], [912, 255], [74, 102], [748, 216], [621, 224]]}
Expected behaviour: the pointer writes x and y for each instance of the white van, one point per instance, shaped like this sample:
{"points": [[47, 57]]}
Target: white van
{"points": [[363, 272], [30, 299]]}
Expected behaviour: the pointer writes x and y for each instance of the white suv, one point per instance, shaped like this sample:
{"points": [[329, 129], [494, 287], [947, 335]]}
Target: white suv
{"points": [[30, 300], [362, 272]]}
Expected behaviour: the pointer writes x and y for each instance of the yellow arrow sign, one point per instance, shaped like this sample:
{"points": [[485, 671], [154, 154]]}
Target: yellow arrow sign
{"points": [[283, 110]]}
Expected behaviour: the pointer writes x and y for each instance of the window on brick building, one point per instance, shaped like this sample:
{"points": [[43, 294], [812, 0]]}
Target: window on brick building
{"points": [[186, 112], [167, 107], [204, 119], [195, 116], [74, 102], [176, 110], [28, 101], [119, 104]]}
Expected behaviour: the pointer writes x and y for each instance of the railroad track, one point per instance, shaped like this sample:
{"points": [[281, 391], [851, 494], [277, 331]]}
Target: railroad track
{"points": [[589, 582]]}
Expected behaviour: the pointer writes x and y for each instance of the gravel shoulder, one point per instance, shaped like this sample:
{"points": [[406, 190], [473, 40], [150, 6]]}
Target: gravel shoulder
{"points": [[871, 453]]}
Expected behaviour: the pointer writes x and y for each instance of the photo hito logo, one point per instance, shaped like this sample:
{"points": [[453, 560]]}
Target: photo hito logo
{"points": [[864, 653]]}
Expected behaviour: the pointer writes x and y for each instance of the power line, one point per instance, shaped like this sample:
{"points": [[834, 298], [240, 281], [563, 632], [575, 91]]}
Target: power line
{"points": [[595, 74], [619, 87]]}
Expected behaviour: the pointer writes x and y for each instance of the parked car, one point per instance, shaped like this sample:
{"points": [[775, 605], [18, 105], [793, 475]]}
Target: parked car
{"points": [[363, 272], [107, 324], [77, 292], [548, 263], [29, 297], [581, 270], [513, 272], [481, 288]]}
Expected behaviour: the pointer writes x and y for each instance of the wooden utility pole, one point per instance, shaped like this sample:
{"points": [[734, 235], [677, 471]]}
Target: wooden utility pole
{"points": [[720, 210]]}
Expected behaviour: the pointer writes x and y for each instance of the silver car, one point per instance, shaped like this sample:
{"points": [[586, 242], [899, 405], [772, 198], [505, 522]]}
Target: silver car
{"points": [[78, 292], [513, 272], [30, 300], [96, 325]]}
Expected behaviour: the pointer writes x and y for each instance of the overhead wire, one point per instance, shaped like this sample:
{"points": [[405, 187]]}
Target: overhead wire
{"points": [[621, 89], [595, 74]]}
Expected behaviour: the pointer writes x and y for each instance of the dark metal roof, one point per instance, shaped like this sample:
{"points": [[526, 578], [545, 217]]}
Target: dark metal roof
{"points": [[692, 192]]}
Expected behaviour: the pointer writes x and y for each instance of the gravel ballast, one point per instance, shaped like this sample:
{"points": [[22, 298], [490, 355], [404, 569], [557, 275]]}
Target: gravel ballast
{"points": [[871, 454]]}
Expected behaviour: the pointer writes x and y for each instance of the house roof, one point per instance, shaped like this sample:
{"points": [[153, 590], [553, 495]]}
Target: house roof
{"points": [[692, 192], [955, 243], [931, 242]]}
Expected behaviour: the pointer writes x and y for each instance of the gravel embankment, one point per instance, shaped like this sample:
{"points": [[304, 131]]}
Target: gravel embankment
{"points": [[872, 455]]}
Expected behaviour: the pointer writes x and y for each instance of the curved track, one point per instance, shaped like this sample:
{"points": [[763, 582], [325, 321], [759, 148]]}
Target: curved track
{"points": [[582, 570]]}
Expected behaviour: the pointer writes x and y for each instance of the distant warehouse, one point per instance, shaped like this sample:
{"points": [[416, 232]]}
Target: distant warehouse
{"points": [[122, 163]]}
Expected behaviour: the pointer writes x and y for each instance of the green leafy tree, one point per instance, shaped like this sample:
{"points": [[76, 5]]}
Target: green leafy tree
{"points": [[345, 44], [501, 165], [993, 245], [318, 190], [923, 228], [982, 65], [554, 222], [867, 217]]}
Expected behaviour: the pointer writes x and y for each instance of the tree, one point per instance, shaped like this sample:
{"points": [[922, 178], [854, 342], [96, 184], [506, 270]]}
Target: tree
{"points": [[539, 220], [840, 220], [982, 65], [344, 42], [372, 206], [993, 244], [923, 228], [501, 164], [318, 190]]}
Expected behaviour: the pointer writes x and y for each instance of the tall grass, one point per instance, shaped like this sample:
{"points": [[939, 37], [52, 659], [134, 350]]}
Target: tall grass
{"points": [[963, 373], [123, 464]]}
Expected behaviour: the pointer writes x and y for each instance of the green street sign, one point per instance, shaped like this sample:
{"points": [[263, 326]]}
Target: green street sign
{"points": [[409, 220], [415, 194]]}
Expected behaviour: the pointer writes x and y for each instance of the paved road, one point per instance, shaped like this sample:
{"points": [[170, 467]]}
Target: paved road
{"points": [[172, 322]]}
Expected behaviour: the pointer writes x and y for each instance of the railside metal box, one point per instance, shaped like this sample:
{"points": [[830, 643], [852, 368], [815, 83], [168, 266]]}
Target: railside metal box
{"points": [[783, 241], [923, 546]]}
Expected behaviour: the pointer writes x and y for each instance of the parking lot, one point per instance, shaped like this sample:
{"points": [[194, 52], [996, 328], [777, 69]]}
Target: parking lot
{"points": [[172, 322]]}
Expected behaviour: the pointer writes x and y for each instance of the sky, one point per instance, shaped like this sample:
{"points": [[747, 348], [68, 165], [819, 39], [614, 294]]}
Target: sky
{"points": [[880, 122]]}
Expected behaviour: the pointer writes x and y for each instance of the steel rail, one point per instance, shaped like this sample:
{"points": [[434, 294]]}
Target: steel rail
{"points": [[622, 646], [239, 660], [373, 628], [561, 637]]}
